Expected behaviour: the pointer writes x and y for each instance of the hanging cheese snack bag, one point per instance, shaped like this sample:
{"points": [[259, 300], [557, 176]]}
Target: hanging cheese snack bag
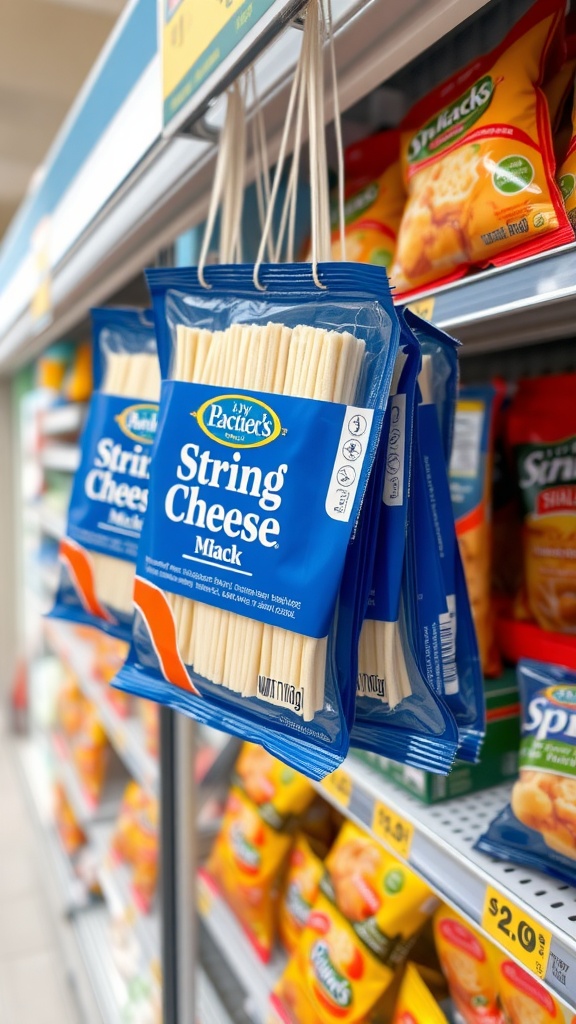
{"points": [[542, 435], [110, 489], [478, 161], [250, 854], [374, 200], [567, 172], [539, 828], [468, 961], [363, 924], [269, 428], [396, 712], [471, 475], [305, 870], [415, 1003]]}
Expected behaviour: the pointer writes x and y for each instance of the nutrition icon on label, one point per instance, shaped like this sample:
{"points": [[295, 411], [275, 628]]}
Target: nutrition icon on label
{"points": [[357, 425], [352, 450], [346, 475]]}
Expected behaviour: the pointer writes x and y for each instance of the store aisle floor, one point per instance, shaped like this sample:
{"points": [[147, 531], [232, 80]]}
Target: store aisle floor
{"points": [[33, 987]]}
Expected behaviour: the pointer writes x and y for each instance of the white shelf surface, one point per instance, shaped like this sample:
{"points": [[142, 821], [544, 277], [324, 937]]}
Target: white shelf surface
{"points": [[63, 457], [63, 419], [92, 930], [442, 852], [255, 978], [125, 734], [116, 888]]}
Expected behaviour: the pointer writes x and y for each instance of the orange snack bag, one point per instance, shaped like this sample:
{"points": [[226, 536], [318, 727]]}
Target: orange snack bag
{"points": [[90, 753], [468, 962], [374, 200], [136, 841], [478, 162], [300, 891], [70, 705], [71, 834], [364, 921], [567, 173], [542, 434], [524, 1000], [249, 856]]}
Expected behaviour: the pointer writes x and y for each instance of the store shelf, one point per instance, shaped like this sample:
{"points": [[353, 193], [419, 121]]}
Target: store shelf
{"points": [[33, 758], [210, 1009], [63, 457], [92, 930], [63, 419], [84, 808], [256, 979], [116, 888], [125, 734], [441, 851]]}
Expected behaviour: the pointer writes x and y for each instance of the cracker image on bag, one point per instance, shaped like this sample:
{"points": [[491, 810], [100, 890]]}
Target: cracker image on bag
{"points": [[467, 960], [524, 1000], [478, 162]]}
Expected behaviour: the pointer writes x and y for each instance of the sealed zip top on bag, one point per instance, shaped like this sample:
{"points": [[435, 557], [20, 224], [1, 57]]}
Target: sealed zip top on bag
{"points": [[538, 828], [398, 713], [110, 489], [459, 679], [273, 399]]}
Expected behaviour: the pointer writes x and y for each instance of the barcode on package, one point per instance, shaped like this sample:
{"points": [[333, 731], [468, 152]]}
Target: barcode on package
{"points": [[466, 448], [448, 650]]}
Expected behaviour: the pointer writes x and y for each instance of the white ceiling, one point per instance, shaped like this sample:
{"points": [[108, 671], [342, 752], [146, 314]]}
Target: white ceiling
{"points": [[47, 48]]}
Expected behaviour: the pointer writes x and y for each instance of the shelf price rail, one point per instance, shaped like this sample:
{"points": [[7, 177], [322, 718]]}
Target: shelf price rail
{"points": [[529, 915]]}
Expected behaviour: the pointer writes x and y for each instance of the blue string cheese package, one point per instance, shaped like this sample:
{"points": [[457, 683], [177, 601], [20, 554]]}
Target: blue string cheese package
{"points": [[110, 488], [538, 828], [273, 400], [457, 674], [396, 712]]}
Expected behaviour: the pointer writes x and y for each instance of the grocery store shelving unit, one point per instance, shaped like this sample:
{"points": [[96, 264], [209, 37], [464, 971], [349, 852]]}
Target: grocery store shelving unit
{"points": [[133, 190]]}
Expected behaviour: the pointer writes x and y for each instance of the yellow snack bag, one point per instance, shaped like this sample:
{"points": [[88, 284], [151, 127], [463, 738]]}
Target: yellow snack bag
{"points": [[364, 921], [478, 162], [524, 1000], [374, 200], [305, 870], [90, 753], [467, 960], [567, 173], [249, 856], [416, 1004]]}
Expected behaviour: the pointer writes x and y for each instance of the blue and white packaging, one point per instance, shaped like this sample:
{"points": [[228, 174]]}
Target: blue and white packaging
{"points": [[538, 828], [110, 488], [257, 484]]}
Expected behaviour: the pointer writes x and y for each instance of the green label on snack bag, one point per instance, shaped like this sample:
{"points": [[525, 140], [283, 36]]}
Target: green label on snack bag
{"points": [[547, 477], [567, 185], [452, 122], [512, 175]]}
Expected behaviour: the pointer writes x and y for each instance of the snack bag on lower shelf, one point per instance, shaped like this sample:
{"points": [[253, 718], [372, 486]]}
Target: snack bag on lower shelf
{"points": [[478, 161], [305, 870], [253, 569], [90, 752], [567, 172], [469, 966], [539, 828], [250, 854], [150, 718], [361, 928], [70, 705], [110, 488], [136, 841], [471, 474], [524, 1000], [415, 1003], [71, 834]]}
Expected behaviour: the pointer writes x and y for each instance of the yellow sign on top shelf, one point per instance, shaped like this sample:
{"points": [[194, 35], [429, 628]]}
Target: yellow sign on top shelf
{"points": [[197, 35]]}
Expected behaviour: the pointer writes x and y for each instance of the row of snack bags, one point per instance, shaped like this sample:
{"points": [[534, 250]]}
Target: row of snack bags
{"points": [[481, 171], [287, 506], [349, 915]]}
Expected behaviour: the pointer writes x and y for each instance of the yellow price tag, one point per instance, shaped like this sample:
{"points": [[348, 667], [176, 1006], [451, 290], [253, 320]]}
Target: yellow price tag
{"points": [[517, 931], [339, 786], [423, 307], [393, 829], [197, 36]]}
